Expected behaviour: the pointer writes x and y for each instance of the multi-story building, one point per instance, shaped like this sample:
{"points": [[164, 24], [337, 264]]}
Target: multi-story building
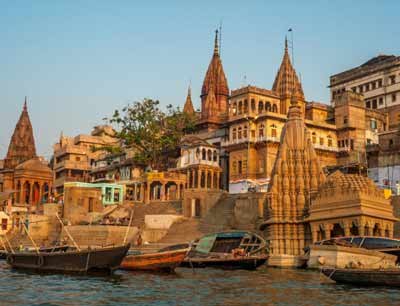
{"points": [[74, 156], [378, 80]]}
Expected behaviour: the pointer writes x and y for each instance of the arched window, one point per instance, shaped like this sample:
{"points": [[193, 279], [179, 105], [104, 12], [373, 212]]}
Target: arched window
{"points": [[246, 106], [215, 156], [330, 142], [203, 154], [209, 155], [260, 106], [245, 132], [274, 108], [314, 138], [261, 130], [268, 106], [321, 141], [274, 132], [240, 110], [234, 109], [253, 105], [234, 134], [240, 132]]}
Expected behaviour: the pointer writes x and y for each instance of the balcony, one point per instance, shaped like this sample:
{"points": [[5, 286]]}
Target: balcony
{"points": [[70, 164], [325, 148], [226, 143]]}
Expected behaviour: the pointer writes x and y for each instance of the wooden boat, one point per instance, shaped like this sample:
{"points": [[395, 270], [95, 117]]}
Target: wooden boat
{"points": [[364, 277], [228, 250], [69, 259], [380, 244], [165, 261]]}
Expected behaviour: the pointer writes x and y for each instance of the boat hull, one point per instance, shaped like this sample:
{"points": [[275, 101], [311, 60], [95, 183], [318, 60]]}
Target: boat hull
{"points": [[161, 261], [364, 277], [90, 260], [230, 263]]}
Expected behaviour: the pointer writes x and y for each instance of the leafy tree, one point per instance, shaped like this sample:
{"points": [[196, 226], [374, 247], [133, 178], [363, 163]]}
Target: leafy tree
{"points": [[153, 133]]}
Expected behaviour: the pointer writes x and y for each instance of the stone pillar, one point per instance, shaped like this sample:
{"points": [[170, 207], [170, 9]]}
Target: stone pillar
{"points": [[40, 193], [219, 180], [346, 227], [148, 190], [178, 187], [31, 194], [328, 228], [199, 178], [206, 179], [212, 179]]}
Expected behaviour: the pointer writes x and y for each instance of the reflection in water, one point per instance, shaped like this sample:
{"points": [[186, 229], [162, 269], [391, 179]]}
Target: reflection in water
{"points": [[266, 286]]}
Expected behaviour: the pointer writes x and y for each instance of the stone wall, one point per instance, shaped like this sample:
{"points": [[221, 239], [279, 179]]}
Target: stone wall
{"points": [[99, 235], [396, 212]]}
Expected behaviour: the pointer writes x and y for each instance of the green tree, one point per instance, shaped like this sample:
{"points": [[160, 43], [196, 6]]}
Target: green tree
{"points": [[153, 133]]}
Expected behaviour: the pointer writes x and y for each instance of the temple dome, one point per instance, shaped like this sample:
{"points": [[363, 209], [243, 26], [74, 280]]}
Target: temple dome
{"points": [[34, 164]]}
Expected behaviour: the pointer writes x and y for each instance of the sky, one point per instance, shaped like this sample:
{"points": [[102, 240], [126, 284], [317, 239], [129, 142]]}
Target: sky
{"points": [[78, 61]]}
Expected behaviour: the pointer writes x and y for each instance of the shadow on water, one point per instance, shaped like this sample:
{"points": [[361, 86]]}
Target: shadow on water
{"points": [[266, 286]]}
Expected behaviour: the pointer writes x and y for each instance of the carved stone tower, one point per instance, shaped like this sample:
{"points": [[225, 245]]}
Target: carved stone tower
{"points": [[188, 107], [286, 83], [215, 91], [22, 144], [295, 177]]}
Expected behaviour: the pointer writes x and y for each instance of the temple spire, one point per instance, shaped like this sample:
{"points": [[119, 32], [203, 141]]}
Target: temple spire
{"points": [[286, 80], [25, 109], [216, 47], [22, 143], [188, 107]]}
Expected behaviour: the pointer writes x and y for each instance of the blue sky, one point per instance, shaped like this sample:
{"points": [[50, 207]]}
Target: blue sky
{"points": [[77, 61]]}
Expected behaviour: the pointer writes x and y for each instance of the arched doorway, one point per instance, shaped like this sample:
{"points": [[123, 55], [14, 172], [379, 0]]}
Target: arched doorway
{"points": [[196, 208], [27, 192], [155, 191], [337, 231], [36, 193], [18, 196]]}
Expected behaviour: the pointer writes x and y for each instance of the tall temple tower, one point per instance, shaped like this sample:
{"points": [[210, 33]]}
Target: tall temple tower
{"points": [[295, 176], [22, 144], [188, 107], [286, 83], [215, 92]]}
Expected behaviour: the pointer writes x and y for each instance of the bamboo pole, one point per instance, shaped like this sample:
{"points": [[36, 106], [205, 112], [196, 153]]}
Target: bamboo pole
{"points": [[33, 242], [9, 244], [69, 235], [129, 226]]}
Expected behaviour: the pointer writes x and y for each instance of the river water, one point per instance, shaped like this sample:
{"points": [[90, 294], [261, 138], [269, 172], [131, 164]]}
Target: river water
{"points": [[266, 286]]}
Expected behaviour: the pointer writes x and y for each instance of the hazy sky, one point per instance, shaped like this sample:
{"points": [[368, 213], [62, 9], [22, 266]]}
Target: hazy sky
{"points": [[77, 61]]}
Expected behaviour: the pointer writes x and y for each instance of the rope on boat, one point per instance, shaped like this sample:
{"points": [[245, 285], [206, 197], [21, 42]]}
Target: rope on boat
{"points": [[87, 261]]}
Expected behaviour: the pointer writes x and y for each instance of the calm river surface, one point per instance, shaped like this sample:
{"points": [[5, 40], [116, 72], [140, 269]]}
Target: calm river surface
{"points": [[266, 286]]}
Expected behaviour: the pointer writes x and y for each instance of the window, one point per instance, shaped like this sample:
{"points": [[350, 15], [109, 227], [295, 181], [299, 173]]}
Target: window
{"points": [[314, 138], [360, 89], [368, 104], [260, 106], [261, 130], [246, 106], [240, 108], [394, 97], [366, 87], [351, 144], [273, 130], [354, 89], [373, 124], [373, 85], [234, 110], [274, 108], [374, 105], [390, 142], [268, 106], [240, 133], [4, 222], [380, 83], [392, 79], [381, 101], [321, 141], [245, 132], [215, 156], [345, 120], [203, 154], [90, 208], [78, 158], [209, 155], [234, 134], [253, 105], [108, 194], [329, 141], [240, 167]]}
